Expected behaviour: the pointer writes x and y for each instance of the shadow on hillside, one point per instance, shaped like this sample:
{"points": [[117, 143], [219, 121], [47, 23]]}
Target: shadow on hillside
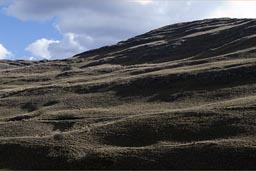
{"points": [[150, 131], [171, 87]]}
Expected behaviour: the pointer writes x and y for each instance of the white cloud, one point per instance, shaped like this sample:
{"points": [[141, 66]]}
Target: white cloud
{"points": [[236, 9], [40, 47], [67, 47], [4, 53], [55, 49], [144, 2]]}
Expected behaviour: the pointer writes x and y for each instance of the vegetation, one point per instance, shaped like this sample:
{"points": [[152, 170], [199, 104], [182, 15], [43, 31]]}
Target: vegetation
{"points": [[179, 97]]}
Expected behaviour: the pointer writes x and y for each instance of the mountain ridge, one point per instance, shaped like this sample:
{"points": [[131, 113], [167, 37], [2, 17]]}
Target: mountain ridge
{"points": [[165, 36]]}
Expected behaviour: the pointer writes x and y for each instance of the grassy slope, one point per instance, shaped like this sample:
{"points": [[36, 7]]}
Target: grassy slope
{"points": [[100, 110]]}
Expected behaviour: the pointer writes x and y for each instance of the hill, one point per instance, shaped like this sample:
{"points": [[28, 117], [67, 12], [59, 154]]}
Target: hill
{"points": [[179, 97]]}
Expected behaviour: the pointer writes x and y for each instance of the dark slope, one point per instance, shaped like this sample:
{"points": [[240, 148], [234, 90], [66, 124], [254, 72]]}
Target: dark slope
{"points": [[179, 97], [196, 40]]}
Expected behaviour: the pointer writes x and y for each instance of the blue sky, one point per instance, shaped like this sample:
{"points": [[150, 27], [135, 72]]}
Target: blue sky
{"points": [[17, 34], [56, 29]]}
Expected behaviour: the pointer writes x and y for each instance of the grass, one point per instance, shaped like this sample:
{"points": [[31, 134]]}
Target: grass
{"points": [[106, 110], [134, 117]]}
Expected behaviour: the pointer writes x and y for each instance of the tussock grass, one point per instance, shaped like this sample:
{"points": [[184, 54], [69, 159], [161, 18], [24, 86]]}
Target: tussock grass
{"points": [[180, 97]]}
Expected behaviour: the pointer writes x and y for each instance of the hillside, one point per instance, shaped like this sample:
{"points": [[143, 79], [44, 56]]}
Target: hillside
{"points": [[179, 97]]}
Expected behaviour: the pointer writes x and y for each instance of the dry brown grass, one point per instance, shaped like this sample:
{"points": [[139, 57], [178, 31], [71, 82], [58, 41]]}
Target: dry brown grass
{"points": [[93, 112]]}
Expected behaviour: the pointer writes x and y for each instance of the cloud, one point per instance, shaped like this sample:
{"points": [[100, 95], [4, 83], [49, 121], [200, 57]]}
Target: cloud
{"points": [[55, 49], [4, 53], [40, 48], [144, 2], [94, 23], [69, 46], [236, 9]]}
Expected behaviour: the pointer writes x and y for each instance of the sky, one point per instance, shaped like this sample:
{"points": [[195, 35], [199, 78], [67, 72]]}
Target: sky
{"points": [[57, 29]]}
